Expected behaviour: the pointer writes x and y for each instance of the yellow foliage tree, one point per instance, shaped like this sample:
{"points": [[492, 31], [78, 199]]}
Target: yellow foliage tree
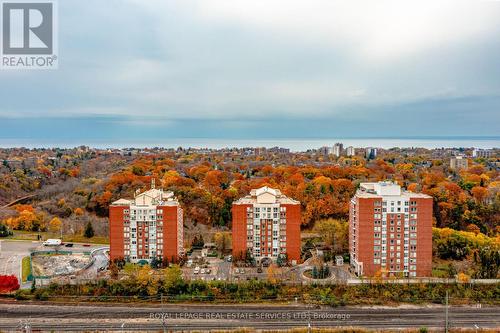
{"points": [[463, 278], [334, 233], [222, 240], [55, 225], [26, 220], [147, 279], [273, 274]]}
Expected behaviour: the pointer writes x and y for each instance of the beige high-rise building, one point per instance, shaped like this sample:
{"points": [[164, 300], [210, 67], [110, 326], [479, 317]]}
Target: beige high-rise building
{"points": [[350, 151], [459, 163]]}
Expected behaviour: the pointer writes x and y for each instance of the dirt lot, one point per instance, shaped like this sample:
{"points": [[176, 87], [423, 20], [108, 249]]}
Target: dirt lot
{"points": [[58, 264]]}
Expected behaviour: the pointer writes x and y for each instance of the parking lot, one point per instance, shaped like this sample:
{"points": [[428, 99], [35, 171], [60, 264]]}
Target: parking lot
{"points": [[13, 251], [202, 267]]}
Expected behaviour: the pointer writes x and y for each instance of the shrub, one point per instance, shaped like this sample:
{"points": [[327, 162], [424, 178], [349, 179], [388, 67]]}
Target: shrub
{"points": [[8, 283]]}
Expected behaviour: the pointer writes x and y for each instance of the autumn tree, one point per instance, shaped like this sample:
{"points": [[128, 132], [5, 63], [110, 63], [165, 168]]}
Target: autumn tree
{"points": [[334, 233], [8, 283], [55, 225], [78, 211], [222, 240]]}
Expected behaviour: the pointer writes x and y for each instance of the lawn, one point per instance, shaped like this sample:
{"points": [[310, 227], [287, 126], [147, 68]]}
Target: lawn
{"points": [[82, 239], [26, 268]]}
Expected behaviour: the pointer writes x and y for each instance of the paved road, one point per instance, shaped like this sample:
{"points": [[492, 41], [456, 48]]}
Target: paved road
{"points": [[205, 317], [223, 270]]}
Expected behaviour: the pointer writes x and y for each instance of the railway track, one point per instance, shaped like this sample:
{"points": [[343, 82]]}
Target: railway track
{"points": [[197, 317]]}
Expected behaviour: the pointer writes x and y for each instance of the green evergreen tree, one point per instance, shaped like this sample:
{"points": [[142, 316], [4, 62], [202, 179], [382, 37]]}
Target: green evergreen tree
{"points": [[89, 230], [315, 273]]}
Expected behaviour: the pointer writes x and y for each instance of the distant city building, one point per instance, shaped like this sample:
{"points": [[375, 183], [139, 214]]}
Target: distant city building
{"points": [[350, 151], [371, 153], [279, 150], [459, 163], [337, 149], [146, 227], [390, 231], [266, 224], [272, 150], [483, 153], [324, 150], [260, 151]]}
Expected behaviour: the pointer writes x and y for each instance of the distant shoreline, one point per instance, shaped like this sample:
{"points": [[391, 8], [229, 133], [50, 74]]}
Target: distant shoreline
{"points": [[295, 145]]}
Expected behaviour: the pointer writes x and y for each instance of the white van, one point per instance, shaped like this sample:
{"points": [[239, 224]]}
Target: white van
{"points": [[52, 242]]}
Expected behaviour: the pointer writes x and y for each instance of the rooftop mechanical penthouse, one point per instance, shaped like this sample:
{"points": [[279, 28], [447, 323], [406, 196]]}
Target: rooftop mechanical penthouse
{"points": [[266, 224], [390, 231], [146, 227]]}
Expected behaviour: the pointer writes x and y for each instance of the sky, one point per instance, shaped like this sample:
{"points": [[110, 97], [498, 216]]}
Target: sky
{"points": [[157, 69]]}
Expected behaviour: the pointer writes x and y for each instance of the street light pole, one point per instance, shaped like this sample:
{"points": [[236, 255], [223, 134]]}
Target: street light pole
{"points": [[309, 321], [446, 317]]}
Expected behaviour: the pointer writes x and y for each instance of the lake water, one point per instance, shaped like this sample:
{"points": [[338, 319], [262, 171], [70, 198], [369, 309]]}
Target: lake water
{"points": [[293, 144]]}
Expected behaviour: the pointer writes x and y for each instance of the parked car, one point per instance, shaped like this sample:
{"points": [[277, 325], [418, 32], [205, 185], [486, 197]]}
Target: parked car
{"points": [[207, 271], [189, 263], [68, 244], [229, 258], [52, 242], [259, 269], [86, 245], [196, 270], [202, 271]]}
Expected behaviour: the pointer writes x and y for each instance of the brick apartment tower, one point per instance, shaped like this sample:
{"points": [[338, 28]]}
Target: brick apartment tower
{"points": [[390, 231], [148, 226], [267, 223]]}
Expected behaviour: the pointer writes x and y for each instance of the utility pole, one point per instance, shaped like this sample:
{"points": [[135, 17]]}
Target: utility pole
{"points": [[446, 317], [309, 321]]}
